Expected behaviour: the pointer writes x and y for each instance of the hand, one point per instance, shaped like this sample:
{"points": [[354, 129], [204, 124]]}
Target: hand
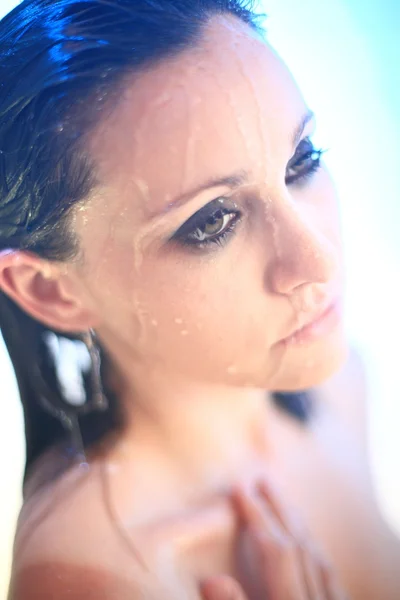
{"points": [[287, 566]]}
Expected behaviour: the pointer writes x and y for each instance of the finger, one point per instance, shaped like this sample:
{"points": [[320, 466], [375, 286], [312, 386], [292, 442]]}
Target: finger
{"points": [[285, 562], [310, 572], [332, 588], [287, 521], [277, 565], [222, 588], [280, 551], [260, 520], [270, 547], [247, 508]]}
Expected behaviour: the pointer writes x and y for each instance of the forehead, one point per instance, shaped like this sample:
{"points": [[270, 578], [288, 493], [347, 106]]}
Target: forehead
{"points": [[226, 105]]}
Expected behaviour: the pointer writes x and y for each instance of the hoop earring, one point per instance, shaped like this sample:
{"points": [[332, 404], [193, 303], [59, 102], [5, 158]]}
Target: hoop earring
{"points": [[76, 361], [98, 400]]}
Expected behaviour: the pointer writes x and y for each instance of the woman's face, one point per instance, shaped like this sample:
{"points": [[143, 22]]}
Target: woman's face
{"points": [[215, 235]]}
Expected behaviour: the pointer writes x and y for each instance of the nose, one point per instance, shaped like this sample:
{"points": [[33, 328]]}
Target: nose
{"points": [[302, 254]]}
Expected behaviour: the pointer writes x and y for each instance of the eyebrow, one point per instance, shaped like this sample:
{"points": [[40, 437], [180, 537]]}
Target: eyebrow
{"points": [[301, 127], [234, 180]]}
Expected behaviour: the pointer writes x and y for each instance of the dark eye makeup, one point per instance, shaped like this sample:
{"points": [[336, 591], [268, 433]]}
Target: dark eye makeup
{"points": [[304, 163], [216, 222], [212, 224]]}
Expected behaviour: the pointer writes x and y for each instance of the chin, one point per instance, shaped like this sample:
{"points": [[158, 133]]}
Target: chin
{"points": [[307, 367]]}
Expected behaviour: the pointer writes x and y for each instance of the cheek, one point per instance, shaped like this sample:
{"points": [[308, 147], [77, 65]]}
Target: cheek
{"points": [[194, 305], [198, 317], [319, 200], [326, 194]]}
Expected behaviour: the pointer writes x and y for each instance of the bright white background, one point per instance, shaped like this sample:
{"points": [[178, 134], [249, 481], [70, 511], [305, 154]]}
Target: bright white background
{"points": [[345, 54]]}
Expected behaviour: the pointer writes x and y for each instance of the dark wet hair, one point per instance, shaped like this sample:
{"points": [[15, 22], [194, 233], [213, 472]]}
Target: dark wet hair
{"points": [[62, 63]]}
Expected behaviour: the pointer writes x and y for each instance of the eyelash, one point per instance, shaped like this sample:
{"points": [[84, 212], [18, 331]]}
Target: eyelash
{"points": [[304, 152], [213, 211]]}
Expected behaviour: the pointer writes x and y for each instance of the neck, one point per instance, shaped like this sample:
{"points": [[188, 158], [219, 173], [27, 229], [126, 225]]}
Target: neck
{"points": [[206, 437]]}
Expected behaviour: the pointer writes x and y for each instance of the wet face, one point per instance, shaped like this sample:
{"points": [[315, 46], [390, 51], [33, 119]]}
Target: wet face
{"points": [[215, 235]]}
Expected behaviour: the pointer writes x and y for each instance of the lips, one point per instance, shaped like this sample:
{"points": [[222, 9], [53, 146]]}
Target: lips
{"points": [[320, 315], [321, 323]]}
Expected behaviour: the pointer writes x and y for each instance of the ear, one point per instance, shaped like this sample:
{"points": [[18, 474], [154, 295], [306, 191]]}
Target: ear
{"points": [[47, 291]]}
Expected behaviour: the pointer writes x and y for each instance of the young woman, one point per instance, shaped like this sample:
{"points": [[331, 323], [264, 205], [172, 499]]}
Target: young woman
{"points": [[172, 278]]}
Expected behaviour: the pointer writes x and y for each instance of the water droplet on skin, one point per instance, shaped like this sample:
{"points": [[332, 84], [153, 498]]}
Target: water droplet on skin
{"points": [[232, 370], [154, 323], [184, 332], [162, 99], [139, 244], [168, 199], [179, 321]]}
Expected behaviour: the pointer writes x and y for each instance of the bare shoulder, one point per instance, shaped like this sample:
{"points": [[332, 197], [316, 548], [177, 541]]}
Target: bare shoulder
{"points": [[67, 544], [70, 581], [47, 581], [51, 581], [58, 517], [71, 544]]}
